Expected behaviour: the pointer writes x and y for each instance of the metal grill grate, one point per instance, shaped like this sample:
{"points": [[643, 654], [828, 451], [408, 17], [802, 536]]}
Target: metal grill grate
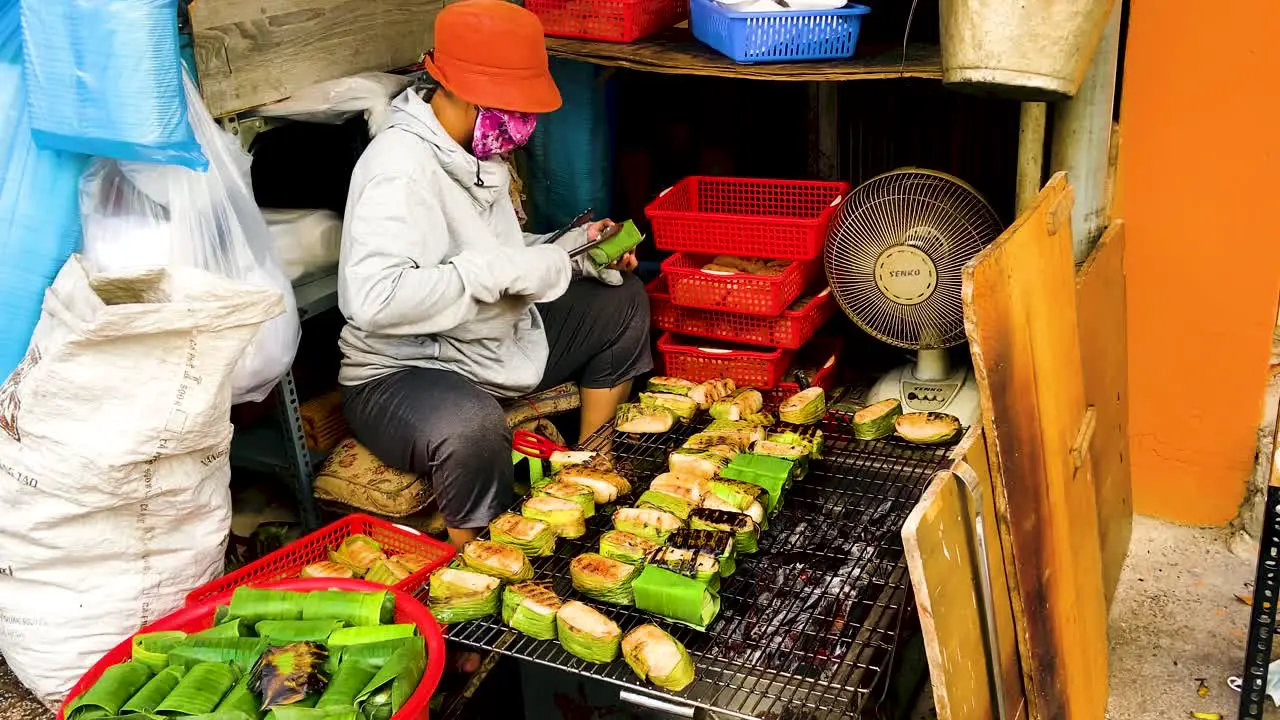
{"points": [[808, 624]]}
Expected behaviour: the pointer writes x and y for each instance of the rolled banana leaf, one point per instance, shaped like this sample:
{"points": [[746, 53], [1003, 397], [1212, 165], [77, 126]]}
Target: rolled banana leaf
{"points": [[155, 691], [649, 523], [771, 473], [603, 579], [327, 569], [504, 562], [375, 654], [657, 657], [361, 635], [232, 628], [678, 506], [804, 408], [572, 492], [287, 674], [395, 682], [152, 649], [200, 690], [461, 595], [387, 572], [295, 712], [253, 604], [531, 608], [241, 698], [714, 543], [353, 608], [625, 547], [587, 633], [676, 597], [534, 538], [283, 632], [350, 679], [111, 692], [358, 552], [242, 652], [746, 533]]}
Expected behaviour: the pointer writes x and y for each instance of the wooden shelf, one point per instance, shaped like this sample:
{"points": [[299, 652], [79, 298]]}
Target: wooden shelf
{"points": [[676, 52]]}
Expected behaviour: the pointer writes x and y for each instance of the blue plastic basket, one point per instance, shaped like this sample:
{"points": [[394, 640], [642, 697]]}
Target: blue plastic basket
{"points": [[775, 37]]}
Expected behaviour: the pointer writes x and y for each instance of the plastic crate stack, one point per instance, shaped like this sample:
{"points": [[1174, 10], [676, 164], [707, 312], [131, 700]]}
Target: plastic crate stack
{"points": [[616, 21], [749, 327]]}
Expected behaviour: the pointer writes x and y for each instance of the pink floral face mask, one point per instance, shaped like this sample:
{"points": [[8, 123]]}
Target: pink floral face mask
{"points": [[500, 131]]}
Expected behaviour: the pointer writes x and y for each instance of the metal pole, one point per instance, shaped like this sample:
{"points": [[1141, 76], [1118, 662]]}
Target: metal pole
{"points": [[1030, 153], [1082, 141]]}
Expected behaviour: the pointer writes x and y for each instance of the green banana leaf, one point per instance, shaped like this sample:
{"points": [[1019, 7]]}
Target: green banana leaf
{"points": [[353, 608], [350, 679], [769, 472], [110, 693], [254, 605], [676, 597], [242, 699], [220, 715], [396, 680], [200, 690], [289, 674], [233, 628], [243, 652], [294, 712], [369, 634], [283, 632], [376, 654], [152, 649], [155, 691]]}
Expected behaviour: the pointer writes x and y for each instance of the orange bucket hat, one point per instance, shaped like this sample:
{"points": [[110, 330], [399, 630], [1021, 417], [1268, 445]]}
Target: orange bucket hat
{"points": [[492, 53]]}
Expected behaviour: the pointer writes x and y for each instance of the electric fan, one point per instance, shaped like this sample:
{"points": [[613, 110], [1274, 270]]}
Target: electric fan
{"points": [[894, 254]]}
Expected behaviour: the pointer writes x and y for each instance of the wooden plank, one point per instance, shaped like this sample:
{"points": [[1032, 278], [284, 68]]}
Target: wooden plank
{"points": [[938, 538], [676, 52], [1100, 305], [1020, 316], [252, 52]]}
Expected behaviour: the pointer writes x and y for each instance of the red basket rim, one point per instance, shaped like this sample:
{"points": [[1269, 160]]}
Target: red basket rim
{"points": [[674, 265], [190, 615], [220, 585], [653, 211], [670, 342], [657, 288]]}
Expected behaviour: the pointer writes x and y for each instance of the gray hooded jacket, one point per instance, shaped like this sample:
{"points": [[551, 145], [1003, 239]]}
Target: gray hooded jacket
{"points": [[435, 271]]}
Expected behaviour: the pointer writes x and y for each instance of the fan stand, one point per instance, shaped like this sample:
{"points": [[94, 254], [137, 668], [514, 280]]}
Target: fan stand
{"points": [[931, 385]]}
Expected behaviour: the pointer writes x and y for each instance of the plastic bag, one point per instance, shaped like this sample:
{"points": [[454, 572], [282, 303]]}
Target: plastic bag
{"points": [[307, 242], [105, 79], [138, 215], [39, 215], [335, 101]]}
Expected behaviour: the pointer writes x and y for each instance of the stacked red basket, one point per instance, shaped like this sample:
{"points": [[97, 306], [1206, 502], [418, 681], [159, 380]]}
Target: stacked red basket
{"points": [[758, 324]]}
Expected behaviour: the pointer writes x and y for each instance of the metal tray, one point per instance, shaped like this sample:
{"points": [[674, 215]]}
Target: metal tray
{"points": [[807, 626]]}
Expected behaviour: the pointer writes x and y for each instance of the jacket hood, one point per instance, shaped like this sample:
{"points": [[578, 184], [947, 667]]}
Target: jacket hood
{"points": [[484, 180]]}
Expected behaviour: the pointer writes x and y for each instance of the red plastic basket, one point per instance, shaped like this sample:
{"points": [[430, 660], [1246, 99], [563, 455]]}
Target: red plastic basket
{"points": [[749, 367], [825, 378], [289, 560], [621, 21], [742, 293], [780, 219], [789, 330], [199, 616]]}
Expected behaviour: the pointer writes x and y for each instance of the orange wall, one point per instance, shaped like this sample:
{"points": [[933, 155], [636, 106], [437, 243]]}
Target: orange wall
{"points": [[1199, 188]]}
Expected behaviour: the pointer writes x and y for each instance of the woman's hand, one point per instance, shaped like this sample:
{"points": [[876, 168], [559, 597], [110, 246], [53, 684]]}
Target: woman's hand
{"points": [[626, 263], [597, 227]]}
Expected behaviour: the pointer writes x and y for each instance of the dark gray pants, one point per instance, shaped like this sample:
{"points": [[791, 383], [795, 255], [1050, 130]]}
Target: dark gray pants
{"points": [[439, 423]]}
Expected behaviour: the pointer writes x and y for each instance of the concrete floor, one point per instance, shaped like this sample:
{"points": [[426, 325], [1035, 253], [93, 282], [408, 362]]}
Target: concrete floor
{"points": [[1175, 620]]}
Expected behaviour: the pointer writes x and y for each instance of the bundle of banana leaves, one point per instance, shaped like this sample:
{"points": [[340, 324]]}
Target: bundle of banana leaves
{"points": [[360, 556], [273, 655]]}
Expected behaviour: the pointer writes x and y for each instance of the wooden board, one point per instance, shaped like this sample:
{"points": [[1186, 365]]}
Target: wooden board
{"points": [[938, 538], [1100, 305], [676, 52], [252, 52], [1020, 316]]}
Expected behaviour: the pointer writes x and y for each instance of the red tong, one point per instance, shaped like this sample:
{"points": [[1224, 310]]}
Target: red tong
{"points": [[534, 445]]}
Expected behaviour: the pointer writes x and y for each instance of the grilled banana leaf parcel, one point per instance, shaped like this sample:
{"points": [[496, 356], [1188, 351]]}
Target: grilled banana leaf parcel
{"points": [[387, 572], [707, 393], [678, 506], [532, 537], [649, 523], [587, 633], [927, 428], [460, 595], [676, 597], [625, 547], [691, 487], [110, 693], [358, 552], [740, 494], [285, 675], [746, 533], [698, 463], [327, 569], [811, 438], [604, 579], [561, 459], [876, 421], [573, 492], [394, 684], [689, 563], [673, 385], [564, 516], [200, 689], [740, 441], [804, 408], [714, 543], [636, 418], [607, 486], [755, 510], [657, 657], [680, 405], [744, 402], [501, 561], [531, 608]]}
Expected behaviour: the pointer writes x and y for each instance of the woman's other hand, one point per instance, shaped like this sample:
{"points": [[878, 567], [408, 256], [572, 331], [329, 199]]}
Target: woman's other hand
{"points": [[626, 263], [597, 227]]}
